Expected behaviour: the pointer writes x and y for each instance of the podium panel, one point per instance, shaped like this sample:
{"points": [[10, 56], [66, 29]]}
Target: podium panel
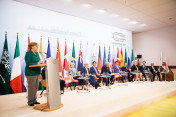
{"points": [[53, 83]]}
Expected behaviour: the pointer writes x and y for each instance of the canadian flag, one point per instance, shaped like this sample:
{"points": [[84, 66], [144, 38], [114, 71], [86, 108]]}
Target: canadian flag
{"points": [[66, 63]]}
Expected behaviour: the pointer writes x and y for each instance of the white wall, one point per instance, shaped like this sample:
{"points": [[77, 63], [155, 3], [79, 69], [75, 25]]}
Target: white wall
{"points": [[152, 43], [18, 17]]}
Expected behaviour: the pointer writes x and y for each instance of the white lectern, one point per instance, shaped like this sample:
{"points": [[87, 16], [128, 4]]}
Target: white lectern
{"points": [[52, 86]]}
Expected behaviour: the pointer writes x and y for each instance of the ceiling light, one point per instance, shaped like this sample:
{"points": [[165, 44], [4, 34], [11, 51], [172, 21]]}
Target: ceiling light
{"points": [[125, 19], [115, 15], [68, 0], [134, 22], [102, 11], [87, 5], [143, 24]]}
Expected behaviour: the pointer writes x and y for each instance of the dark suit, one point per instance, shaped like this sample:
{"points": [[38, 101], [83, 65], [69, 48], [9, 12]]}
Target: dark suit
{"points": [[125, 69], [93, 72], [84, 72], [142, 69], [153, 70], [117, 69], [106, 70]]}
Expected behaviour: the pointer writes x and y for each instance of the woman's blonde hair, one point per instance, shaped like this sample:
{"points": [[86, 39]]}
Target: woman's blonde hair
{"points": [[32, 44]]}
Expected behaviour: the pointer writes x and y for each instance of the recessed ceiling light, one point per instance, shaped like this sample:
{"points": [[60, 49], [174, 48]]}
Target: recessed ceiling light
{"points": [[134, 22], [115, 15], [68, 0], [87, 5], [102, 11], [125, 19], [143, 24]]}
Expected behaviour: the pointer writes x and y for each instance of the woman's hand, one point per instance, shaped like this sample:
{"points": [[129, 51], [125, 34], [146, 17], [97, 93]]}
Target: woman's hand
{"points": [[39, 62]]}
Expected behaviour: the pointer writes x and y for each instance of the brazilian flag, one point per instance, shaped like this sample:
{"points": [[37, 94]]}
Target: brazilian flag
{"points": [[73, 59]]}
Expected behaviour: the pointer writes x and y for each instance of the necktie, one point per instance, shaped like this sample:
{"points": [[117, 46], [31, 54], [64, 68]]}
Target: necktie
{"points": [[95, 70], [153, 69], [87, 71]]}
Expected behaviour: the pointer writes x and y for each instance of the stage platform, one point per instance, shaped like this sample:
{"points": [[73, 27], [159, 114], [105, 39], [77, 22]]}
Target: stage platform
{"points": [[115, 102]]}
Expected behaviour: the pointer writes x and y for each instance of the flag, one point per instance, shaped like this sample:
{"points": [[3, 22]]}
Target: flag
{"points": [[104, 58], [113, 60], [99, 60], [126, 56], [58, 56], [80, 60], [66, 63], [48, 50], [25, 79], [5, 70], [73, 59], [41, 50], [87, 57], [109, 57], [132, 57], [28, 42], [93, 55], [41, 87], [16, 77], [121, 59], [129, 63], [118, 57]]}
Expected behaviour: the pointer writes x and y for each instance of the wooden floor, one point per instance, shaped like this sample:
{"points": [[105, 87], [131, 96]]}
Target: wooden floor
{"points": [[163, 108], [114, 102]]}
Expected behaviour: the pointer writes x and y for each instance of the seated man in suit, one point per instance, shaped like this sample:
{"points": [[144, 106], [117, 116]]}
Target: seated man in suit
{"points": [[168, 76], [85, 71], [143, 69], [117, 68], [135, 68], [125, 69], [95, 73], [62, 82], [154, 71], [106, 69]]}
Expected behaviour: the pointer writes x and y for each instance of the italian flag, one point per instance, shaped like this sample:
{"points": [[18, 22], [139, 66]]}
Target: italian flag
{"points": [[16, 79]]}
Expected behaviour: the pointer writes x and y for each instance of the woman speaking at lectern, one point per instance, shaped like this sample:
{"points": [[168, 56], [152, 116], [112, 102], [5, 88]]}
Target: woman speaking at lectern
{"points": [[32, 74]]}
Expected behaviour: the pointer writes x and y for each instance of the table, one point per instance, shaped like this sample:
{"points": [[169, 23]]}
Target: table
{"points": [[106, 76], [123, 74], [83, 91], [165, 72], [135, 74], [148, 72]]}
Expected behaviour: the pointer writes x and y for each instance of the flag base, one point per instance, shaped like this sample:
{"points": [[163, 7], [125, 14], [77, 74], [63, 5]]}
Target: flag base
{"points": [[44, 107]]}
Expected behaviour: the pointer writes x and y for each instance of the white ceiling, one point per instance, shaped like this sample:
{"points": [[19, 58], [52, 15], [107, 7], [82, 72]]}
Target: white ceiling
{"points": [[154, 13]]}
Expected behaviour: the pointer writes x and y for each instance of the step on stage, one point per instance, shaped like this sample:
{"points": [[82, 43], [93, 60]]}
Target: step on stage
{"points": [[117, 101]]}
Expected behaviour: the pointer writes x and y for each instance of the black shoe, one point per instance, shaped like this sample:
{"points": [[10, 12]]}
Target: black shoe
{"points": [[37, 103], [31, 104]]}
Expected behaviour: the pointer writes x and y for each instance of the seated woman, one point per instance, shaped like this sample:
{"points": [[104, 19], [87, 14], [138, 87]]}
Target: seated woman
{"points": [[62, 82], [135, 68], [169, 75], [74, 73]]}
